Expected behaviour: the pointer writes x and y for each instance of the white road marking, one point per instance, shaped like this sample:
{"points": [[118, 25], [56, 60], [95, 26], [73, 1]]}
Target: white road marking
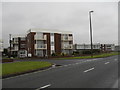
{"points": [[116, 84], [65, 65], [53, 66], [94, 59], [89, 70], [43, 87], [107, 62], [115, 59]]}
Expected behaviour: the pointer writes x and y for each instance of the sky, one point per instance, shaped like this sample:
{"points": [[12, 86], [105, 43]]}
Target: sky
{"points": [[18, 17]]}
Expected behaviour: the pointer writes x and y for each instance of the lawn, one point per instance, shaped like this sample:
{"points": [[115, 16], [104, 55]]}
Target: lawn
{"points": [[18, 67], [94, 56]]}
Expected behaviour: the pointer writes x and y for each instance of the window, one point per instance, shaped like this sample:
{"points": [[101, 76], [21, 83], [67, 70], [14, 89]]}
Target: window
{"points": [[70, 34], [39, 52], [52, 34], [22, 46], [52, 43], [15, 40], [70, 42]]}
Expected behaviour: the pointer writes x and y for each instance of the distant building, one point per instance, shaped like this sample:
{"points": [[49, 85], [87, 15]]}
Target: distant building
{"points": [[84, 47], [1, 46], [45, 42], [1, 49], [117, 48], [107, 47], [18, 46], [97, 46]]}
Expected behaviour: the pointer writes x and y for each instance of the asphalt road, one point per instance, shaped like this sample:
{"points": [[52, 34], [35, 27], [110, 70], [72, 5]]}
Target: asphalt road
{"points": [[88, 73]]}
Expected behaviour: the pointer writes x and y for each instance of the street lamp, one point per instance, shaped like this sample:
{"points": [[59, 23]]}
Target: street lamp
{"points": [[91, 32], [10, 44]]}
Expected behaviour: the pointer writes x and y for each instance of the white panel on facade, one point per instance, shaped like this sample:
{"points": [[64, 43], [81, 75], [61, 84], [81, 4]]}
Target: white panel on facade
{"points": [[52, 42], [52, 47]]}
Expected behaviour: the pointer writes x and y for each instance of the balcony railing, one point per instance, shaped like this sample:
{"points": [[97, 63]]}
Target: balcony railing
{"points": [[41, 38], [43, 46], [67, 38], [70, 46], [14, 42], [14, 49]]}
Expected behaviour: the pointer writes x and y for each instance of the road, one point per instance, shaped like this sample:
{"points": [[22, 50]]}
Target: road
{"points": [[88, 73]]}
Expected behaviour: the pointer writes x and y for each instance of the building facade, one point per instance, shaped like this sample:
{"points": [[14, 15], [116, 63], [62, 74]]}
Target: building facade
{"points": [[85, 47], [43, 42], [97, 46], [117, 48], [18, 46], [107, 47]]}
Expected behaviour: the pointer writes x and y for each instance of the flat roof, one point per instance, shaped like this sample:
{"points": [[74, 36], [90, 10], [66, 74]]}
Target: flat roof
{"points": [[48, 31], [18, 35]]}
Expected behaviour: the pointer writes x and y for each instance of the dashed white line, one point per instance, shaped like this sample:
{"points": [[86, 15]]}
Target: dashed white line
{"points": [[43, 87], [115, 59], [107, 62], [94, 59], [65, 65], [89, 70]]}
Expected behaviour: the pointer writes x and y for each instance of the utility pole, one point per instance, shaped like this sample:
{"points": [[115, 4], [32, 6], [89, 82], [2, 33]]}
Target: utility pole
{"points": [[91, 32]]}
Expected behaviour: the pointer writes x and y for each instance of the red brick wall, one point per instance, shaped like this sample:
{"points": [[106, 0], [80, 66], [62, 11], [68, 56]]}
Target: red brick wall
{"points": [[30, 43], [57, 43]]}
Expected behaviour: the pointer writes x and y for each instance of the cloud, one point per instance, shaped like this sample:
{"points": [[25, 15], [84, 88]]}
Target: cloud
{"points": [[19, 17]]}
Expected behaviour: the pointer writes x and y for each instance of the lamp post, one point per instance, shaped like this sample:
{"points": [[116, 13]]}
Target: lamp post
{"points": [[10, 44], [91, 32]]}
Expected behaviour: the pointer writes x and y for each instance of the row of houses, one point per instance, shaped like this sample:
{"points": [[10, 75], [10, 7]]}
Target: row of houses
{"points": [[44, 42]]}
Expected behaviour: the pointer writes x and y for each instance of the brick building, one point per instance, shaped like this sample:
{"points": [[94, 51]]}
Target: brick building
{"points": [[18, 46], [44, 42]]}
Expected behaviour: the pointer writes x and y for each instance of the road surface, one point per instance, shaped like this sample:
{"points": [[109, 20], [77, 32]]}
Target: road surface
{"points": [[87, 73]]}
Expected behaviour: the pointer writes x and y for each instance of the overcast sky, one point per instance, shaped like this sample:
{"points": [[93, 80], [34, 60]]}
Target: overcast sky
{"points": [[18, 17]]}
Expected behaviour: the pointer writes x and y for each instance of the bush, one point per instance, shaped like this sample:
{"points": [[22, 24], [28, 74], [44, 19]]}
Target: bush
{"points": [[53, 54], [62, 54], [75, 53], [95, 51]]}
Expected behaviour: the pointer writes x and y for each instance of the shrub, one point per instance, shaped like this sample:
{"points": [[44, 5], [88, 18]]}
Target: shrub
{"points": [[53, 54]]}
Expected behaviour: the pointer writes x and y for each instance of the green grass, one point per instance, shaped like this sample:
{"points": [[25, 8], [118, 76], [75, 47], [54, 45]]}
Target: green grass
{"points": [[18, 67], [94, 56]]}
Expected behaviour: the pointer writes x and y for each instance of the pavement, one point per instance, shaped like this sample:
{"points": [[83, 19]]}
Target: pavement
{"points": [[79, 73]]}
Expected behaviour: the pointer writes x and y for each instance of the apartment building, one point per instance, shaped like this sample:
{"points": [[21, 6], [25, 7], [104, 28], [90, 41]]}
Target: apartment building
{"points": [[45, 42], [18, 46]]}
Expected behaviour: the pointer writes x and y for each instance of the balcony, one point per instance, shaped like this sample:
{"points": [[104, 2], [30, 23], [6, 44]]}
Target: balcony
{"points": [[14, 49], [43, 46], [70, 46], [40, 38], [69, 38], [14, 42]]}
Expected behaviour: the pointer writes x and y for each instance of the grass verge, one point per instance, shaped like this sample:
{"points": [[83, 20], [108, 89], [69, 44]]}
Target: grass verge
{"points": [[88, 57], [19, 67]]}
